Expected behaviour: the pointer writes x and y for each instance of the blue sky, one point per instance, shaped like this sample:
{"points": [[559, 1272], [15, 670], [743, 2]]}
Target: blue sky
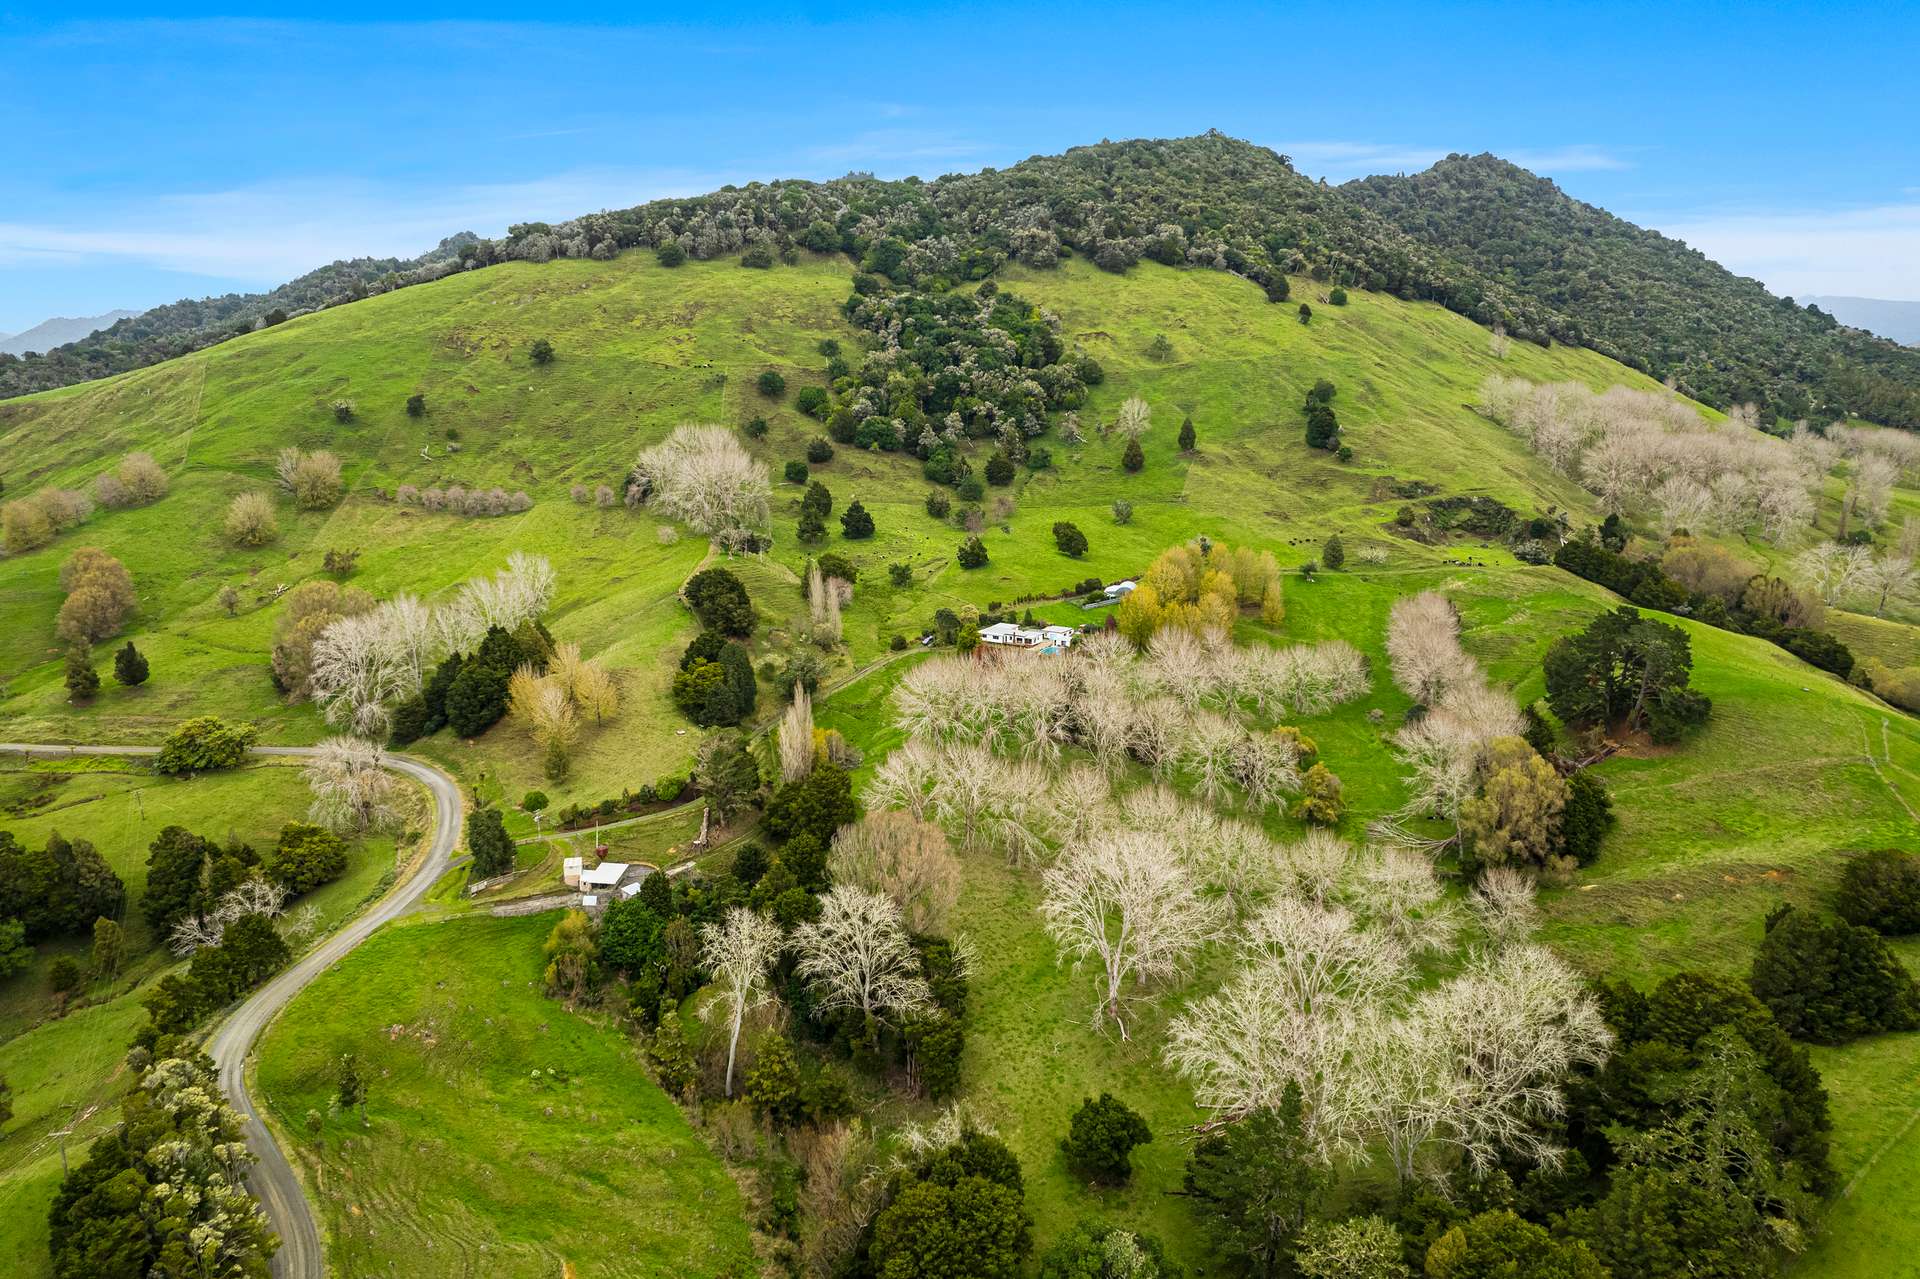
{"points": [[148, 160]]}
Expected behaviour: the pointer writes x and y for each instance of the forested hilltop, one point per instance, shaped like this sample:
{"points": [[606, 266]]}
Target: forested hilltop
{"points": [[1591, 279], [1478, 235]]}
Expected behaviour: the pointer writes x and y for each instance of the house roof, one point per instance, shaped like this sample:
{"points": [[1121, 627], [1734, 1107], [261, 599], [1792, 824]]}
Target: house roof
{"points": [[605, 875], [999, 629]]}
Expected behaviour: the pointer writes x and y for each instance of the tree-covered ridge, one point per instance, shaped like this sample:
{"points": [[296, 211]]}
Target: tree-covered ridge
{"points": [[1570, 272], [192, 323], [1477, 235]]}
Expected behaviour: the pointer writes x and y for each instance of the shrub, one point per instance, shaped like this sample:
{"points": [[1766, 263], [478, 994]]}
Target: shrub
{"points": [[1831, 982], [1881, 890], [971, 489], [771, 384], [1069, 539], [670, 254], [1123, 511], [796, 472], [312, 479], [855, 523], [1323, 428], [343, 410], [1101, 1138], [999, 470], [1333, 554], [416, 406], [819, 451], [541, 352], [306, 857], [813, 401], [250, 520], [204, 743], [898, 642], [1338, 297], [1133, 459], [720, 601], [900, 574], [756, 428], [1306, 314], [939, 505], [972, 553]]}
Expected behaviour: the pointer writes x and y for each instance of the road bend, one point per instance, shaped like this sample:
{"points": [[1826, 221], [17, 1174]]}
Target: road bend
{"points": [[272, 1179]]}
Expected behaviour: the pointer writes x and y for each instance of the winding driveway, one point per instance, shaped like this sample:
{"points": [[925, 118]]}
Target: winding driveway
{"points": [[272, 1180]]}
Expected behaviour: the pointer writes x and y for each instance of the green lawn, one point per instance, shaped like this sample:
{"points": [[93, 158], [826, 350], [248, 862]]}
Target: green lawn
{"points": [[474, 1163]]}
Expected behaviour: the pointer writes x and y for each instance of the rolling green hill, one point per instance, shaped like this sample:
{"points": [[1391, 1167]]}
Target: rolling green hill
{"points": [[1763, 806]]}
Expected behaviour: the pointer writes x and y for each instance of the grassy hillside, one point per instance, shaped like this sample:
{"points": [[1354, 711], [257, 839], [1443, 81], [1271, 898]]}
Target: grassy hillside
{"points": [[505, 1135], [1764, 805]]}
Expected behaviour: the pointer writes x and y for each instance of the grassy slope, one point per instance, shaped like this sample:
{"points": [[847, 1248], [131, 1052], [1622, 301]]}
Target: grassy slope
{"points": [[67, 1070], [1761, 805], [472, 1164], [121, 807]]}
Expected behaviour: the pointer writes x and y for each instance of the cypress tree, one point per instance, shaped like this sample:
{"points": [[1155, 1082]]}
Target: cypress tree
{"points": [[129, 667]]}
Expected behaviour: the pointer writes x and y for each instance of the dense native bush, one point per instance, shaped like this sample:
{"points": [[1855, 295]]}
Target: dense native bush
{"points": [[957, 367], [1495, 218], [1830, 981], [58, 889], [1878, 890]]}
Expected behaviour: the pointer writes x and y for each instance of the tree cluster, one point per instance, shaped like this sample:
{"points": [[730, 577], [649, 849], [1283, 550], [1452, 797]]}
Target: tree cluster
{"points": [[164, 1192]]}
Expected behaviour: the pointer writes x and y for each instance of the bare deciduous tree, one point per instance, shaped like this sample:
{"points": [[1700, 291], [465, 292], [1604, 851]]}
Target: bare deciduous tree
{"points": [[903, 858], [857, 956], [1503, 901], [1832, 570], [1134, 418], [353, 790], [250, 520], [701, 476], [1423, 646], [312, 479], [1125, 900], [1307, 982], [796, 736], [738, 952]]}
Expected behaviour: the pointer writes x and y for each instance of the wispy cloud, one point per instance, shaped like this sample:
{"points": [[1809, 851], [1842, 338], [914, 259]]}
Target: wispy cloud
{"points": [[1866, 252], [1580, 158], [272, 232], [878, 148]]}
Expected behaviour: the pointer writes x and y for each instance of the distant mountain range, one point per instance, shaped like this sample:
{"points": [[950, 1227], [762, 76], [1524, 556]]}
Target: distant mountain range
{"points": [[1897, 320], [59, 331]]}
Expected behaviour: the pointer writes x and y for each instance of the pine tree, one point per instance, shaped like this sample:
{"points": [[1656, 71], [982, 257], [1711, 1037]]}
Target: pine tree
{"points": [[1187, 436], [672, 1057], [129, 666], [1333, 555], [82, 680], [1133, 459], [352, 1091], [855, 522]]}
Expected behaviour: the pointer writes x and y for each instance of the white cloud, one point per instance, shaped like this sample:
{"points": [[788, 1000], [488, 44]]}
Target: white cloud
{"points": [[1869, 252], [273, 232]]}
